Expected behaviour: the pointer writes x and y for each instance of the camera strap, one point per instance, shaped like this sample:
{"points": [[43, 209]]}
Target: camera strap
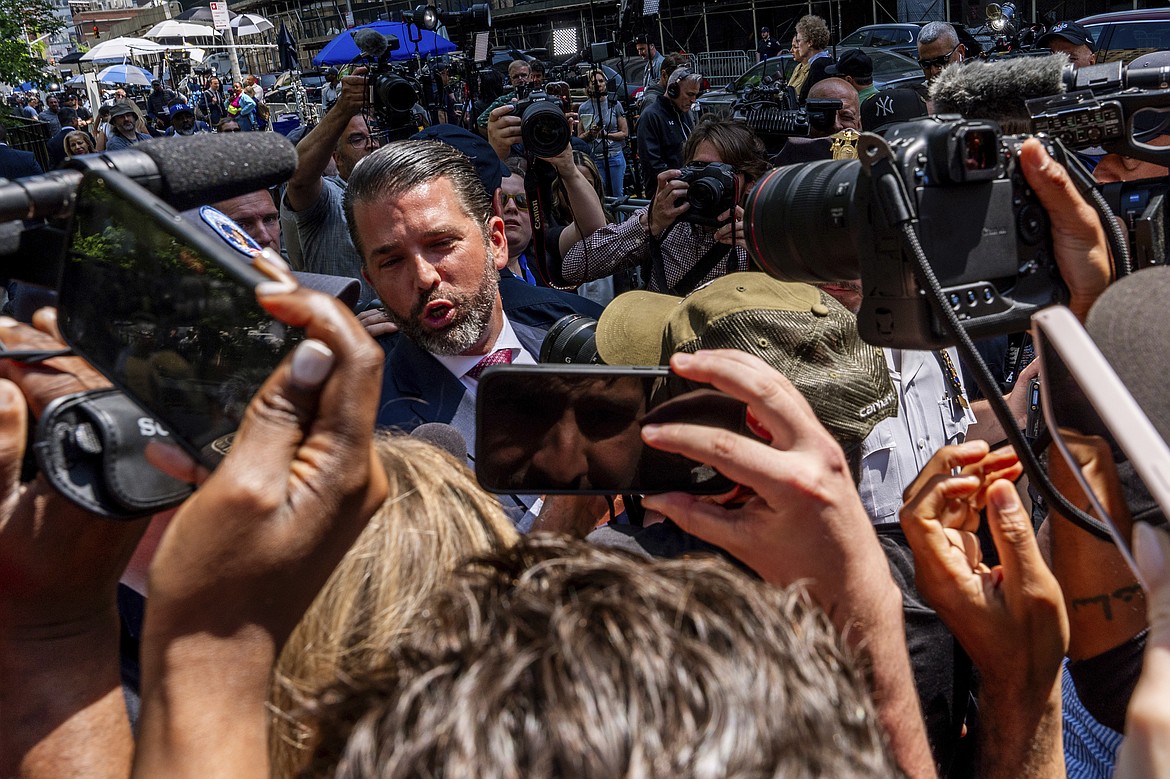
{"points": [[690, 280], [538, 188]]}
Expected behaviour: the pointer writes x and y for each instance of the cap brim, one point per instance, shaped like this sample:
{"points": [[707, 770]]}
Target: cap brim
{"points": [[630, 329]]}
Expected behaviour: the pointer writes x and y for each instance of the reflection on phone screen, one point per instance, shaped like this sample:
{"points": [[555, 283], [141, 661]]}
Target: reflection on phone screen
{"points": [[578, 432], [163, 320]]}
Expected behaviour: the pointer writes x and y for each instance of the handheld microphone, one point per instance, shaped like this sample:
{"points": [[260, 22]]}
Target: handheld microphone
{"points": [[186, 172], [443, 436], [998, 90]]}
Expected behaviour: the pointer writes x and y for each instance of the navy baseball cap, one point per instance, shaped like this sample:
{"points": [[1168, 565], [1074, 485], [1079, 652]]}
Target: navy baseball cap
{"points": [[488, 166], [181, 108], [1071, 32]]}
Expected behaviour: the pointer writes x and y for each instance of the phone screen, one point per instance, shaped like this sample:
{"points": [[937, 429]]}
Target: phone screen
{"points": [[545, 429], [167, 315]]}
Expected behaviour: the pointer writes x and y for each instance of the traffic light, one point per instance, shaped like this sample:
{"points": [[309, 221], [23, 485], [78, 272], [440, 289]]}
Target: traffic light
{"points": [[96, 32]]}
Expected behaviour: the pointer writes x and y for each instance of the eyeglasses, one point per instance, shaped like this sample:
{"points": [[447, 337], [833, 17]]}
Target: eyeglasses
{"points": [[938, 62], [520, 198], [361, 141]]}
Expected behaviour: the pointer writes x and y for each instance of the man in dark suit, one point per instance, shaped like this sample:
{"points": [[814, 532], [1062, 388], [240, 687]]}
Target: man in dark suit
{"points": [[15, 164], [432, 246]]}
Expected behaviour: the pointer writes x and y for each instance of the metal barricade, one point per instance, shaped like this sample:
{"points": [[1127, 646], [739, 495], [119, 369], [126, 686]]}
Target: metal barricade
{"points": [[720, 68], [29, 135], [623, 207]]}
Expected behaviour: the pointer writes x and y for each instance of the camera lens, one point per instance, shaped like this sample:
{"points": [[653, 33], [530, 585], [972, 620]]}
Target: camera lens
{"points": [[571, 339], [394, 93], [544, 129], [802, 222], [705, 194]]}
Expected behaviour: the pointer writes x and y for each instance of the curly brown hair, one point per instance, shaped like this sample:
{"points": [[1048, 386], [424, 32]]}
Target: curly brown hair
{"points": [[813, 31]]}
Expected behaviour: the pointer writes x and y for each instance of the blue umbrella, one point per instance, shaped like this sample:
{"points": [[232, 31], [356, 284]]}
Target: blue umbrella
{"points": [[126, 74], [342, 50], [27, 86]]}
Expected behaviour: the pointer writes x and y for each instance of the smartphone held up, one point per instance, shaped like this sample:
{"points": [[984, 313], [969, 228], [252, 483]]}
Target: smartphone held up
{"points": [[577, 429]]}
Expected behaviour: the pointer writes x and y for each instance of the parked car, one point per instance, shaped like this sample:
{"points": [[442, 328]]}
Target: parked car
{"points": [[1127, 35], [900, 38], [889, 69]]}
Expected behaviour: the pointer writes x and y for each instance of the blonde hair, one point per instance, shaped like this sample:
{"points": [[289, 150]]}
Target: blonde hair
{"points": [[434, 517]]}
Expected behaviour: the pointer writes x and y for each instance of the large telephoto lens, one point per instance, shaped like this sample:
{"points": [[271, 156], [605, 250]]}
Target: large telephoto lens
{"points": [[544, 129], [394, 93], [804, 222]]}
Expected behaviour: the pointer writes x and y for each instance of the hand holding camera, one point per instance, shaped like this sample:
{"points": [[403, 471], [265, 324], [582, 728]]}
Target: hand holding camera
{"points": [[669, 204]]}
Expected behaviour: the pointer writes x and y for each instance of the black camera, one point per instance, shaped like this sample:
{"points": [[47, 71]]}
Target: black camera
{"points": [[959, 185], [393, 96], [1104, 105], [711, 192], [571, 340], [543, 126], [774, 114]]}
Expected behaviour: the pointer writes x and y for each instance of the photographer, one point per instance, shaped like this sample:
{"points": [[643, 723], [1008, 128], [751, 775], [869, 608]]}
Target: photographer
{"points": [[607, 132], [518, 75], [314, 199], [504, 134], [678, 255]]}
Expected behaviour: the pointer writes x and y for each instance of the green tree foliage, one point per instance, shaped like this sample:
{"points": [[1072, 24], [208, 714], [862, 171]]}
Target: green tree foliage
{"points": [[20, 22]]}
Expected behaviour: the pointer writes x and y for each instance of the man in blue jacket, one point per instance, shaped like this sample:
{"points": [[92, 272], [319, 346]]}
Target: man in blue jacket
{"points": [[16, 164], [432, 245]]}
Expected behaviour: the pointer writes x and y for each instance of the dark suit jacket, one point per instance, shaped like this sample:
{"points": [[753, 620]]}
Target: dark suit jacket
{"points": [[816, 72], [16, 164], [416, 388]]}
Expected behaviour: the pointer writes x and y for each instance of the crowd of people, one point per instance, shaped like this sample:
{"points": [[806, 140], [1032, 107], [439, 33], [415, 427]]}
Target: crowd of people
{"points": [[878, 596], [75, 127]]}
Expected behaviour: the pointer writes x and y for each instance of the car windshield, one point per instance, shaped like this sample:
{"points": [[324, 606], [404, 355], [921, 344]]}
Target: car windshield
{"points": [[856, 39], [755, 74]]}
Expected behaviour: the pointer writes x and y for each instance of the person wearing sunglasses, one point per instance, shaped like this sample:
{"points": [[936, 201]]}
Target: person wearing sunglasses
{"points": [[938, 46]]}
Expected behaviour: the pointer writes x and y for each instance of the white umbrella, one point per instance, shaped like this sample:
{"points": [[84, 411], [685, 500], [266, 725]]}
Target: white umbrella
{"points": [[250, 24], [121, 48], [172, 28]]}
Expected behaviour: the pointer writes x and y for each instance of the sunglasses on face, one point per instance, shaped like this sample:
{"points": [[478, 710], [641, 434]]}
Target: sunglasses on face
{"points": [[938, 62], [520, 198]]}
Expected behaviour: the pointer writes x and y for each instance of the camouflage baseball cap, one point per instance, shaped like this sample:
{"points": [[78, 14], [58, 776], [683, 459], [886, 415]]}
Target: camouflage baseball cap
{"points": [[797, 329]]}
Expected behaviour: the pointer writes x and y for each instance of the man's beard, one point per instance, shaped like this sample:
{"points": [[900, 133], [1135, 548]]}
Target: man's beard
{"points": [[473, 317]]}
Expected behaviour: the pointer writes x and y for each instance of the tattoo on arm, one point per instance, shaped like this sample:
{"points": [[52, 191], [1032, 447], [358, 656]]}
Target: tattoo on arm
{"points": [[1124, 594]]}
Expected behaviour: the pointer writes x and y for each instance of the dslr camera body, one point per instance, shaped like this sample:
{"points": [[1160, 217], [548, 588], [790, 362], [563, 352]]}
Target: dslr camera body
{"points": [[712, 191], [959, 185], [543, 126]]}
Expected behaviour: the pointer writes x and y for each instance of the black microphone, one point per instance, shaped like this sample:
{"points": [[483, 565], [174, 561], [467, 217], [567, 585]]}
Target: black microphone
{"points": [[443, 436], [998, 90], [186, 172]]}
